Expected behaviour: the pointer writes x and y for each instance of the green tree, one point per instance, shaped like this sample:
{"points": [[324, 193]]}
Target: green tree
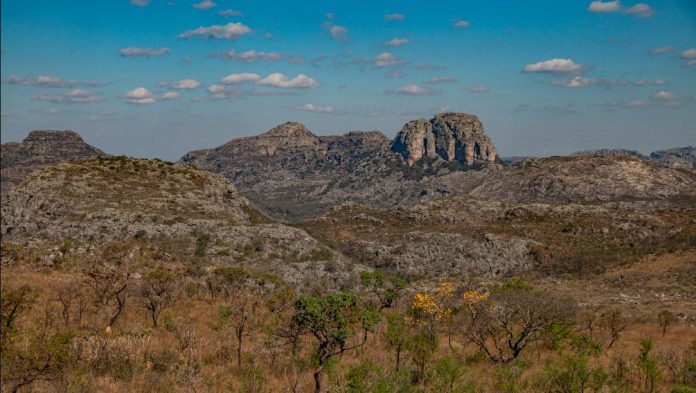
{"points": [[649, 365], [158, 288], [331, 321], [396, 335]]}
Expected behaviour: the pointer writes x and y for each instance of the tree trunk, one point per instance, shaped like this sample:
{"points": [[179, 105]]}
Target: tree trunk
{"points": [[240, 334], [317, 378]]}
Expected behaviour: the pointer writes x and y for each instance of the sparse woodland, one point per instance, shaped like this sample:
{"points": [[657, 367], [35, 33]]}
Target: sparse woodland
{"points": [[125, 317]]}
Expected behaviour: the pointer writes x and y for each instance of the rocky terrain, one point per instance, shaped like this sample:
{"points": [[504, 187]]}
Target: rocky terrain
{"points": [[38, 149], [293, 174], [679, 157], [178, 208], [450, 136]]}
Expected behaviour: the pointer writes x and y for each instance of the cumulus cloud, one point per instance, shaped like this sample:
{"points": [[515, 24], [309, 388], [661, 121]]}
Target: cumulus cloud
{"points": [[458, 23], [245, 77], [689, 54], [170, 95], [230, 31], [661, 50], [143, 52], [664, 95], [387, 59], [229, 13], [398, 17], [640, 10], [301, 81], [276, 79], [441, 79], [478, 89], [317, 108], [577, 82], [338, 32], [221, 92], [76, 96], [139, 96], [397, 42], [48, 81], [140, 3], [603, 7], [555, 66], [410, 89], [184, 84], [204, 5], [250, 56]]}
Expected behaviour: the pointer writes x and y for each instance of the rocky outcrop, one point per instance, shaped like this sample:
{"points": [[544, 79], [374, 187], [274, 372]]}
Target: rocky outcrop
{"points": [[611, 153], [679, 157], [173, 207], [38, 149], [449, 136], [583, 179], [293, 174]]}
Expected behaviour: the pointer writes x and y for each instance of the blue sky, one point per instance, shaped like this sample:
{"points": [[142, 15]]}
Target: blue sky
{"points": [[159, 78]]}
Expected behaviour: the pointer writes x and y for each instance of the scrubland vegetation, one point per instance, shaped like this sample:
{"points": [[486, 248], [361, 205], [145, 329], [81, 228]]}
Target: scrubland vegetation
{"points": [[125, 317]]}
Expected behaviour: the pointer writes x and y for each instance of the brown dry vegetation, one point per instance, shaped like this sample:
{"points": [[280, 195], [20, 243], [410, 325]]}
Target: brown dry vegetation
{"points": [[195, 343]]}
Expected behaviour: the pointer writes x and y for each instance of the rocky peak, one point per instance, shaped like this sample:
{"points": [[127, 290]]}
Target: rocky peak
{"points": [[450, 136], [286, 135], [40, 148]]}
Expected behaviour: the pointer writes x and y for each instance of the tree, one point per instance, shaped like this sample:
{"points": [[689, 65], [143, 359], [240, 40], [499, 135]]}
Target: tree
{"points": [[73, 300], [396, 335], [109, 284], [503, 325], [386, 291], [615, 323], [665, 318], [648, 365], [331, 321], [14, 302], [158, 287]]}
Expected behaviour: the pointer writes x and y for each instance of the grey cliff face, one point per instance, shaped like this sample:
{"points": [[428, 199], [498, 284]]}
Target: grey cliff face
{"points": [[450, 136], [41, 148]]}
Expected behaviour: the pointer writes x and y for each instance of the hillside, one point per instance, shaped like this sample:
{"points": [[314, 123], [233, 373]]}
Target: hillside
{"points": [[38, 149]]}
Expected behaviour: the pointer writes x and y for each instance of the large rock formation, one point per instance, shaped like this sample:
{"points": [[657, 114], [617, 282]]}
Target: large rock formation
{"points": [[293, 174], [39, 149], [450, 136]]}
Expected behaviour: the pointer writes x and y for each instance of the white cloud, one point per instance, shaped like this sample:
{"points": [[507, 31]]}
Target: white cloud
{"points": [[139, 96], [410, 89], [251, 56], [143, 52], [577, 82], [277, 79], [387, 59], [640, 10], [234, 79], [664, 95], [441, 79], [338, 32], [184, 84], [204, 5], [171, 95], [661, 50], [461, 24], [397, 42], [229, 13], [76, 96], [230, 31], [140, 3], [556, 66], [478, 89], [602, 7], [398, 17], [221, 92], [317, 108], [48, 81], [689, 54]]}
